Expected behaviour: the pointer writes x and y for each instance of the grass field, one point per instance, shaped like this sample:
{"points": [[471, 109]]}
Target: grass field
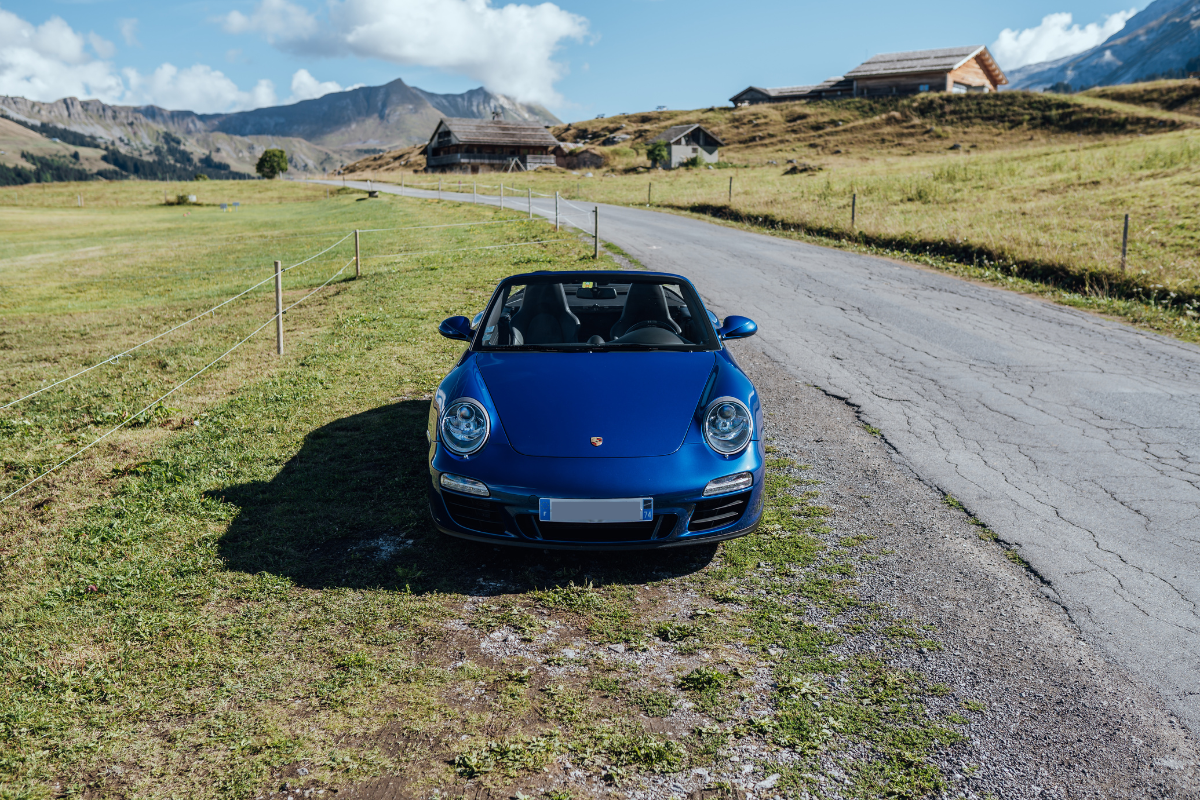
{"points": [[242, 593]]}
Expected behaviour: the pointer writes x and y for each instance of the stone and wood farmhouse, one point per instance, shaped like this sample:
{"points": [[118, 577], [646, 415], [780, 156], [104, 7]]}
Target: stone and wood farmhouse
{"points": [[952, 69], [479, 145], [685, 142]]}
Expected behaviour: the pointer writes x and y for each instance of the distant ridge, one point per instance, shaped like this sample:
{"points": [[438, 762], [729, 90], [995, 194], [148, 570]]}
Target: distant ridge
{"points": [[319, 134], [1158, 41]]}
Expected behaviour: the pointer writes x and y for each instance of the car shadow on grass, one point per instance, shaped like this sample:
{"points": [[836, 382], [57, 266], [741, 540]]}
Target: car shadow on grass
{"points": [[350, 511]]}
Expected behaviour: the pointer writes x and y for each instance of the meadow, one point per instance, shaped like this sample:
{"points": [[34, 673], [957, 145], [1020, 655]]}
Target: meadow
{"points": [[239, 594], [1025, 190]]}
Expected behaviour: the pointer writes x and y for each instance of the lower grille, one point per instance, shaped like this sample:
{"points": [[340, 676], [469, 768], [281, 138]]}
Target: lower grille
{"points": [[475, 514], [718, 512], [601, 532]]}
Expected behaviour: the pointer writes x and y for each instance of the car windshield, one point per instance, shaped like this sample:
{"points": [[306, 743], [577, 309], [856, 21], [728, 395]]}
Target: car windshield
{"points": [[600, 312]]}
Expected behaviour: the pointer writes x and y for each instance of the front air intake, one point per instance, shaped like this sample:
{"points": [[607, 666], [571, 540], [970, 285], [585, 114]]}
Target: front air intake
{"points": [[718, 512], [476, 514]]}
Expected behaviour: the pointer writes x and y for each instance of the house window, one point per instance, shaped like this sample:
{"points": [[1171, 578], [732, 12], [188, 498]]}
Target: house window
{"points": [[924, 87], [695, 150]]}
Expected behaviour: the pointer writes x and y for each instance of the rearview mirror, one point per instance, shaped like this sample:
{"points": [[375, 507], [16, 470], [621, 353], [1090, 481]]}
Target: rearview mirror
{"points": [[457, 328], [737, 328]]}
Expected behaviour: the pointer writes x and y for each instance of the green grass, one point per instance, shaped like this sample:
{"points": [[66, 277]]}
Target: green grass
{"points": [[204, 610], [186, 597], [1033, 200]]}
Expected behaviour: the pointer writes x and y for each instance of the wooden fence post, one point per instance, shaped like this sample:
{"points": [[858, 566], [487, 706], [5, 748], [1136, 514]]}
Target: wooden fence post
{"points": [[853, 209], [439, 188], [731, 189], [596, 233], [502, 197], [649, 189], [529, 195], [556, 212], [1125, 243], [357, 257], [475, 192], [279, 308]]}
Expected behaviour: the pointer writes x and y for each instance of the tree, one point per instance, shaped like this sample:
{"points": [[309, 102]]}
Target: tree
{"points": [[271, 163], [657, 152]]}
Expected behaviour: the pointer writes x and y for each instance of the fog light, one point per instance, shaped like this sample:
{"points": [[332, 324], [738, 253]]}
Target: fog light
{"points": [[458, 483], [730, 483]]}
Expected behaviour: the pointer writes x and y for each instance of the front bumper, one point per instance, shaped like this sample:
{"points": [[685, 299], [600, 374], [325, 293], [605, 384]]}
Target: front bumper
{"points": [[682, 515]]}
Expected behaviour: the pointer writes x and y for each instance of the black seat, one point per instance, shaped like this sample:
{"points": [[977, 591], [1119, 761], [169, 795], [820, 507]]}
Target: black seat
{"points": [[545, 317], [645, 301]]}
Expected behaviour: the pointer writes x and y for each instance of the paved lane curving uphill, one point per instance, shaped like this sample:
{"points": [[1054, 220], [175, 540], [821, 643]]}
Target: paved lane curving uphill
{"points": [[1073, 437]]}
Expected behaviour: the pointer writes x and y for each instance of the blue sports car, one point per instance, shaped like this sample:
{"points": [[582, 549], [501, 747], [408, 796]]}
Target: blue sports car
{"points": [[596, 411]]}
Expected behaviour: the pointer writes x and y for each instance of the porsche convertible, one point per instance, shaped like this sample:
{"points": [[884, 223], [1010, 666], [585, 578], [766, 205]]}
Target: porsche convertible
{"points": [[596, 411]]}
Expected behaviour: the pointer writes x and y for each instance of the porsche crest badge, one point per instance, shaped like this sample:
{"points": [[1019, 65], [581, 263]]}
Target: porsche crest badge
{"points": [[597, 441]]}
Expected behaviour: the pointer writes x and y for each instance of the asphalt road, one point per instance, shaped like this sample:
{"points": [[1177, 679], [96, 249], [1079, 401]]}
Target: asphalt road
{"points": [[1075, 438]]}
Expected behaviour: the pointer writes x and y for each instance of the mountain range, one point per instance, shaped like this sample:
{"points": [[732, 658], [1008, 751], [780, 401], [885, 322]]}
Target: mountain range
{"points": [[1158, 41], [319, 135]]}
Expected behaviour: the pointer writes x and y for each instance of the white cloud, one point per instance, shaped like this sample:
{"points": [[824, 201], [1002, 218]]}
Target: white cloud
{"points": [[197, 88], [276, 20], [306, 87], [510, 49], [1055, 38], [128, 29], [103, 47], [50, 61]]}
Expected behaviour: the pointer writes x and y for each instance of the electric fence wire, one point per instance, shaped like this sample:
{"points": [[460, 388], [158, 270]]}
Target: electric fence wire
{"points": [[200, 372], [448, 225], [120, 355]]}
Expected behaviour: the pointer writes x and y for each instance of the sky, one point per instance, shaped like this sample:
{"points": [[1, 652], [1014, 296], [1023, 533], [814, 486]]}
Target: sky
{"points": [[579, 58]]}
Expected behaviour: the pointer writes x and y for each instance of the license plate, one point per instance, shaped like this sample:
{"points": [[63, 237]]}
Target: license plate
{"points": [[623, 509]]}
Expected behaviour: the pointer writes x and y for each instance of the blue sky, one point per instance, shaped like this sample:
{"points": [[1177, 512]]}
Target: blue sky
{"points": [[578, 58]]}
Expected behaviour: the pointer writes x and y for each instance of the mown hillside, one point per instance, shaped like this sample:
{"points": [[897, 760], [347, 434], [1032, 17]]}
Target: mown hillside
{"points": [[856, 127], [901, 126], [1178, 96]]}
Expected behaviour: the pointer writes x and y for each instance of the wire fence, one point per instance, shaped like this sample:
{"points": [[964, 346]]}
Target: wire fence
{"points": [[358, 257], [173, 390], [155, 338]]}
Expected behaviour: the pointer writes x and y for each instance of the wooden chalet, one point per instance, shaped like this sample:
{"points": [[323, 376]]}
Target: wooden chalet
{"points": [[685, 142], [481, 145], [953, 69]]}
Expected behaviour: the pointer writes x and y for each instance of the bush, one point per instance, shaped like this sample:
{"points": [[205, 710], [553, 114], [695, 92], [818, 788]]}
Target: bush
{"points": [[657, 152]]}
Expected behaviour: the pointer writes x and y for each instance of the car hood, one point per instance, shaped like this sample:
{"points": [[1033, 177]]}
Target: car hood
{"points": [[639, 404]]}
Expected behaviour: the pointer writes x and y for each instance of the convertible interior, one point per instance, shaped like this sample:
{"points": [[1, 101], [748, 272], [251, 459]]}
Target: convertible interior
{"points": [[592, 314]]}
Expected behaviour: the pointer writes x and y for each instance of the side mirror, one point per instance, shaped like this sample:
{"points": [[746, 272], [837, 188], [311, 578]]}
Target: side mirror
{"points": [[737, 328], [458, 328]]}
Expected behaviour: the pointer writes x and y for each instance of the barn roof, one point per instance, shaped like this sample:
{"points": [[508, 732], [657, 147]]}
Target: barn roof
{"points": [[676, 132], [497, 131], [830, 84], [781, 91], [944, 60]]}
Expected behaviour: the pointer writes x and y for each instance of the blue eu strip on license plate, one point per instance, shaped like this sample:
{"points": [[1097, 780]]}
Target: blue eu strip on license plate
{"points": [[621, 509]]}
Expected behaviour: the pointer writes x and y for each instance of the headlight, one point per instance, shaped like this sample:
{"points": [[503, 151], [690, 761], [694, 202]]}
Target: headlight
{"points": [[727, 426], [465, 427]]}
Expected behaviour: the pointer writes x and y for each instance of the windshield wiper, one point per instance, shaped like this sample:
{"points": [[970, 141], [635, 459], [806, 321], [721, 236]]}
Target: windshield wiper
{"points": [[629, 346]]}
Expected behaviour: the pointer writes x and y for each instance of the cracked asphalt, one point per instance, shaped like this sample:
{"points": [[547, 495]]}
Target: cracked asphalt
{"points": [[1073, 437]]}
